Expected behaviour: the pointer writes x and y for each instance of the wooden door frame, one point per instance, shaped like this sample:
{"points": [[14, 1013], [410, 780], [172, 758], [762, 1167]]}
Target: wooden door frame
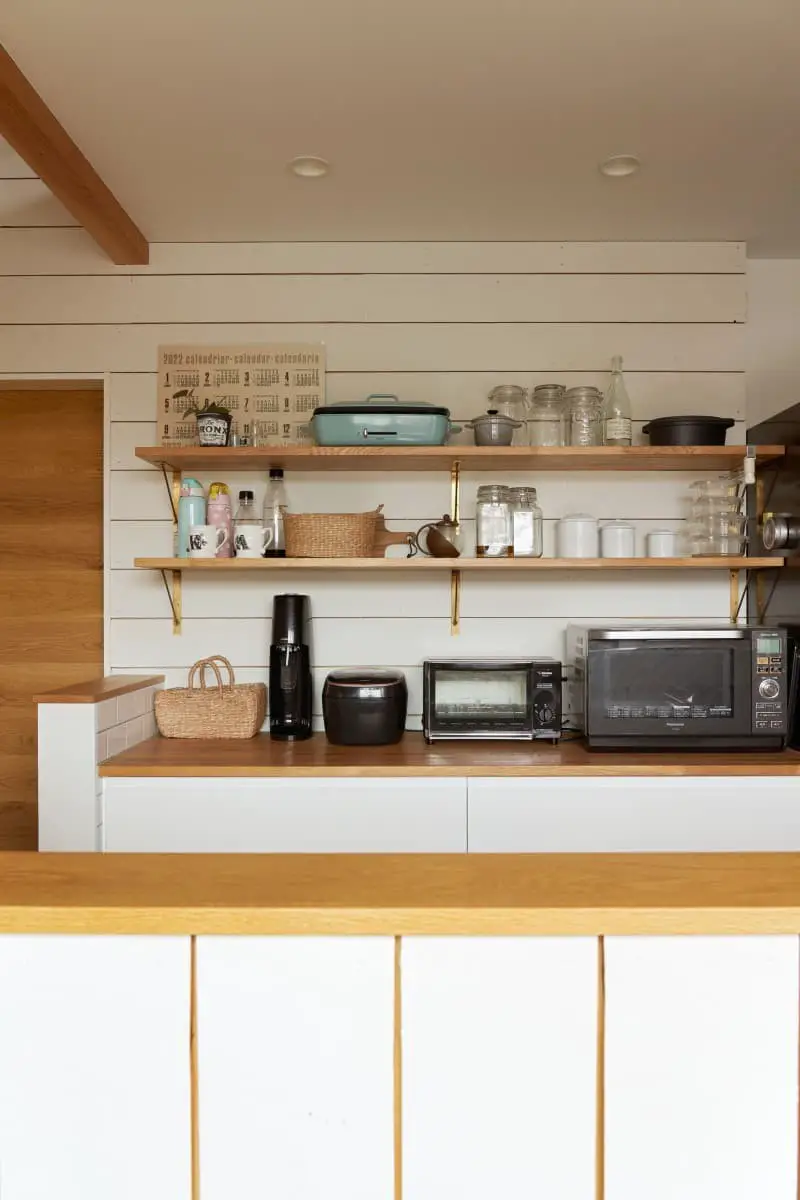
{"points": [[90, 382]]}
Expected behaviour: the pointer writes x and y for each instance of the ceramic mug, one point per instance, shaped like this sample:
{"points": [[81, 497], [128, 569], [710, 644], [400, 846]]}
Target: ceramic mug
{"points": [[206, 540], [661, 543], [251, 541]]}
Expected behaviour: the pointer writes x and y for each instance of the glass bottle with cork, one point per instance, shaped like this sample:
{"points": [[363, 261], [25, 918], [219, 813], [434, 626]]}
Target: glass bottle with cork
{"points": [[617, 423]]}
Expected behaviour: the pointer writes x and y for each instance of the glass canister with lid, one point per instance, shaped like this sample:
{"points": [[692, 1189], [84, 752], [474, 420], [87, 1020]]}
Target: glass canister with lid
{"points": [[585, 416], [546, 420], [494, 530], [512, 401], [526, 523]]}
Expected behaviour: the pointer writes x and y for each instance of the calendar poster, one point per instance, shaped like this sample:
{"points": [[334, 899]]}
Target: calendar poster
{"points": [[270, 391]]}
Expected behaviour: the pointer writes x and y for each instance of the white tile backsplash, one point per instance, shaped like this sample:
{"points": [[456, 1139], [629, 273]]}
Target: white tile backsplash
{"points": [[128, 707], [106, 714], [101, 747], [117, 740], [134, 731]]}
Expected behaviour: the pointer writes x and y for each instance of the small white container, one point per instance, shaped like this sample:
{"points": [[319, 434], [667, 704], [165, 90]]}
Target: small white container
{"points": [[617, 540], [577, 537], [661, 543]]}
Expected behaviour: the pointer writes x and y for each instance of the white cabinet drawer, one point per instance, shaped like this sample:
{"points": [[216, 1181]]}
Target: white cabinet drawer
{"points": [[701, 1068], [499, 1067], [94, 1068], [636, 815], [300, 816], [295, 1069]]}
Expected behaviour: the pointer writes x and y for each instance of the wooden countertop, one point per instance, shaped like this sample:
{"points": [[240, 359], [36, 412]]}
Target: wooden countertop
{"points": [[94, 691], [261, 757], [400, 894]]}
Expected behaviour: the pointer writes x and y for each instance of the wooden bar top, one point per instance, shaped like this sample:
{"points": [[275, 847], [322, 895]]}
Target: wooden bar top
{"points": [[261, 757], [94, 691], [393, 895]]}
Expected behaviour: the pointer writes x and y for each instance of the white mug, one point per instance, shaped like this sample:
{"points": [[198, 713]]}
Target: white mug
{"points": [[662, 543], [250, 541], [206, 540]]}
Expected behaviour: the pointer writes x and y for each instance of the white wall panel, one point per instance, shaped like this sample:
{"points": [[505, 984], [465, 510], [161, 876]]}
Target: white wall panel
{"points": [[628, 594], [392, 347], [351, 641], [60, 252], [773, 368], [12, 166], [99, 300], [140, 594], [443, 322], [653, 393], [29, 203], [177, 676], [137, 495]]}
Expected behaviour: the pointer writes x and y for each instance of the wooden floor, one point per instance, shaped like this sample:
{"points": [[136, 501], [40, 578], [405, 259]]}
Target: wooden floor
{"points": [[51, 574]]}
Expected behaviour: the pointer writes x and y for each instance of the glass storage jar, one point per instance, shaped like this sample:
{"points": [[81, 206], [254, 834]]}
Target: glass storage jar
{"points": [[547, 415], [585, 416], [526, 523], [512, 401], [494, 532]]}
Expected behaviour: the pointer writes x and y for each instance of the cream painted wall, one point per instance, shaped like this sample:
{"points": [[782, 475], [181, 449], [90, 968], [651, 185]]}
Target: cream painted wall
{"points": [[439, 321], [773, 336]]}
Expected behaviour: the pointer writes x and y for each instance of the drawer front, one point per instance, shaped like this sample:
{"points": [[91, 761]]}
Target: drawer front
{"points": [[691, 814], [295, 816]]}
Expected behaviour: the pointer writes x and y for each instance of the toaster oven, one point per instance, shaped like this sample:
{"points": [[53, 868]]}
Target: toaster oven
{"points": [[494, 698]]}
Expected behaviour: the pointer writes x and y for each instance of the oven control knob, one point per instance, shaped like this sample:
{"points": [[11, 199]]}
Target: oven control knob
{"points": [[769, 689], [546, 715]]}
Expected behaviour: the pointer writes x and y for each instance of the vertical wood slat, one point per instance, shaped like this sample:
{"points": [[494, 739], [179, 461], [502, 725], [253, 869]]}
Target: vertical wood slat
{"points": [[194, 1085], [398, 1069]]}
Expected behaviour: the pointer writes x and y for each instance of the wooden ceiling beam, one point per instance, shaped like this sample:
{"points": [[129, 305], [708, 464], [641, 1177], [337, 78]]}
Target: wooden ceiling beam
{"points": [[38, 137]]}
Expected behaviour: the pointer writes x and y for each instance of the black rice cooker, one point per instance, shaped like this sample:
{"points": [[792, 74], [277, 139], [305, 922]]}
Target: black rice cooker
{"points": [[364, 708]]}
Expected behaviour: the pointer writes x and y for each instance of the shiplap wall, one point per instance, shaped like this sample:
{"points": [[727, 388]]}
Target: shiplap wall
{"points": [[443, 322]]}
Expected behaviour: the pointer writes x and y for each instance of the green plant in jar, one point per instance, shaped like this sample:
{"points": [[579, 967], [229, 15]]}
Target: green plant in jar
{"points": [[213, 423]]}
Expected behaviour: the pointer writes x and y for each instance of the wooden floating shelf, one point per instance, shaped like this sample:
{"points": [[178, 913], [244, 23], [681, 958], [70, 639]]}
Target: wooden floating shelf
{"points": [[492, 566], [443, 458]]}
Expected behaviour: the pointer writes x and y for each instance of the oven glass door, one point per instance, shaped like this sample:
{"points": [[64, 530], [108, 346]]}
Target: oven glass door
{"points": [[671, 687], [489, 697]]}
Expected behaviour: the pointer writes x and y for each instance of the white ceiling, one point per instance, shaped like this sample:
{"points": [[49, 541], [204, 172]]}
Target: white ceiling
{"points": [[443, 119]]}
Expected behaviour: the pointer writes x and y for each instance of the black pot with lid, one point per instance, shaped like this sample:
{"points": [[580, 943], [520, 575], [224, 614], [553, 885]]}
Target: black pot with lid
{"points": [[688, 431], [365, 708]]}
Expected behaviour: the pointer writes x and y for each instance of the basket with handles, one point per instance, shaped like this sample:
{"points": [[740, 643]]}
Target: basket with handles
{"points": [[339, 535], [223, 710]]}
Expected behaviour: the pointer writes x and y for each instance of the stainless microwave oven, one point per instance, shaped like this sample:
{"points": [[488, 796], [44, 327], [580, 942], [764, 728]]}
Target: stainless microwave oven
{"points": [[493, 698], [701, 687]]}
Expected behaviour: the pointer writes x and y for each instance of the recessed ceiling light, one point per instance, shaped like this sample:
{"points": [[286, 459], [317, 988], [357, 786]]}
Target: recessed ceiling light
{"points": [[309, 167], [620, 165]]}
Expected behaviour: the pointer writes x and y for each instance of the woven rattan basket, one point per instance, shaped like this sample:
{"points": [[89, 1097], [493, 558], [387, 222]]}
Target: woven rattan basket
{"points": [[226, 710], [330, 535]]}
